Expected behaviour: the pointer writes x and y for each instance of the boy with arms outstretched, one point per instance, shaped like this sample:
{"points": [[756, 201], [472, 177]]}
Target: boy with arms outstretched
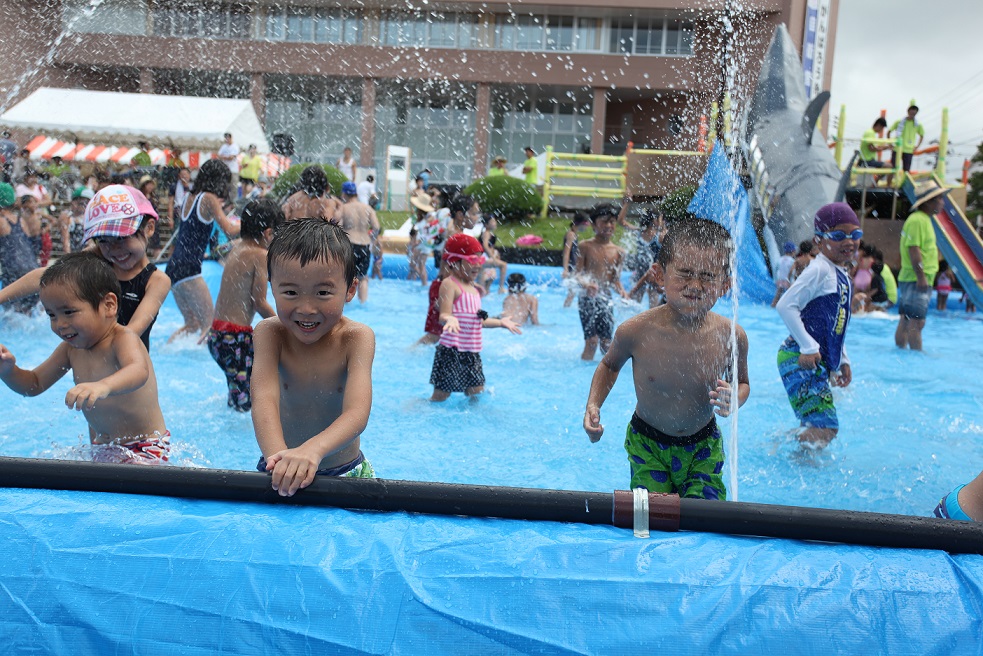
{"points": [[312, 370], [242, 295], [115, 386], [681, 361]]}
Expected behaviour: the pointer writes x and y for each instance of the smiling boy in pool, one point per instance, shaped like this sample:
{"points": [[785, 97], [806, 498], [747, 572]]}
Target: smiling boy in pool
{"points": [[115, 386], [681, 359], [312, 369]]}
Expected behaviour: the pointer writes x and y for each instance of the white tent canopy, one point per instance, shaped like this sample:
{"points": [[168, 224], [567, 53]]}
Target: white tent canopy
{"points": [[186, 122]]}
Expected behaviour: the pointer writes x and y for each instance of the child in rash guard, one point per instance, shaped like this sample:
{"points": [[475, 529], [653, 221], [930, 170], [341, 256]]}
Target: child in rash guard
{"points": [[115, 386], [816, 309], [311, 385], [242, 295], [457, 360], [682, 367]]}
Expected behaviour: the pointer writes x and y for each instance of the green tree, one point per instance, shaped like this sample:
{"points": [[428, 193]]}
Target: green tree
{"points": [[506, 198], [675, 204], [285, 184]]}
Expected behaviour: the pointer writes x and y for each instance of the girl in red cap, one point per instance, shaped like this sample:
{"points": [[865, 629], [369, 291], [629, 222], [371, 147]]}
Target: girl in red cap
{"points": [[457, 361]]}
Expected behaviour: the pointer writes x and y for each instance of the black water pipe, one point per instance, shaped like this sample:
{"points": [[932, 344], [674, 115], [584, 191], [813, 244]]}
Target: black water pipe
{"points": [[666, 512]]}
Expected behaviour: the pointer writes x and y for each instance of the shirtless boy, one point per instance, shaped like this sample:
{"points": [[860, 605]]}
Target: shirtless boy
{"points": [[599, 273], [519, 305], [313, 198], [241, 295], [312, 372], [681, 360], [361, 224], [115, 386]]}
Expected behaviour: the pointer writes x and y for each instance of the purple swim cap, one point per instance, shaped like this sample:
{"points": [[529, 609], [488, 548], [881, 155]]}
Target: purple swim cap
{"points": [[834, 214]]}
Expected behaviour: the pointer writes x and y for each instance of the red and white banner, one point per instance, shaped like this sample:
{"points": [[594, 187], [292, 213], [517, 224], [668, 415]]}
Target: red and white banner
{"points": [[44, 148]]}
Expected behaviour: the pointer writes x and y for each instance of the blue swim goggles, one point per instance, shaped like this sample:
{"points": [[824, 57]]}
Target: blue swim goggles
{"points": [[839, 235]]}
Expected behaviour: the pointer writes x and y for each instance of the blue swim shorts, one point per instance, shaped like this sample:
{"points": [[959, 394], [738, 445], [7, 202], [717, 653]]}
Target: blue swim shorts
{"points": [[949, 507], [809, 391], [913, 304]]}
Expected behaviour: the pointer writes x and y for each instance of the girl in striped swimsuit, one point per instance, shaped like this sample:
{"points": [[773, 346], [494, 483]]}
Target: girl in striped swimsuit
{"points": [[457, 361]]}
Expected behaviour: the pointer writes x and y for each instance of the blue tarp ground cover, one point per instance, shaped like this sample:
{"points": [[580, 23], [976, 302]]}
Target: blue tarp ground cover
{"points": [[722, 198], [96, 573]]}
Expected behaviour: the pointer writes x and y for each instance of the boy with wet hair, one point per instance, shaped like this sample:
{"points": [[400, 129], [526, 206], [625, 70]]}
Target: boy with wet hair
{"points": [[599, 273], [681, 355], [519, 305], [115, 386], [816, 309], [241, 295], [312, 370]]}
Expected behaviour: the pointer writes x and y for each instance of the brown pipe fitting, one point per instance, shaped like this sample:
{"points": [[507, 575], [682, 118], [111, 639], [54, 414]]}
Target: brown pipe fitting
{"points": [[663, 510]]}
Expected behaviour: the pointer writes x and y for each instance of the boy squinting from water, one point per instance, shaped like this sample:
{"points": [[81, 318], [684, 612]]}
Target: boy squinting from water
{"points": [[681, 361], [312, 370], [115, 386]]}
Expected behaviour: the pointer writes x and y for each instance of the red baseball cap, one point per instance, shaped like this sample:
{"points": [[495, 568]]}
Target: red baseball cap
{"points": [[462, 246]]}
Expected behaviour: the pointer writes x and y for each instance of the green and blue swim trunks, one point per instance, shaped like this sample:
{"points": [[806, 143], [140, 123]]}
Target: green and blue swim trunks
{"points": [[690, 466], [809, 391]]}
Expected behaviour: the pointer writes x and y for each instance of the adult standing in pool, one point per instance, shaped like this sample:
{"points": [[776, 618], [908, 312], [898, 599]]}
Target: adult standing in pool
{"points": [[360, 222], [919, 264], [202, 209]]}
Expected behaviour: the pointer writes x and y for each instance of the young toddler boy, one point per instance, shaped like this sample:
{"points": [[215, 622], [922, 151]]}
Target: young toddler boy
{"points": [[816, 309], [241, 295], [312, 371], [518, 305], [599, 272], [115, 386], [681, 362]]}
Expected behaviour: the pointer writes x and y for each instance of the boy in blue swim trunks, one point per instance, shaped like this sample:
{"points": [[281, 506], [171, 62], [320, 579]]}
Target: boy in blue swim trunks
{"points": [[681, 363], [816, 309], [311, 383]]}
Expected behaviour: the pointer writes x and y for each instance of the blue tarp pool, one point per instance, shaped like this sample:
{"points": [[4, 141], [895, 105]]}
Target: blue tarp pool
{"points": [[102, 573]]}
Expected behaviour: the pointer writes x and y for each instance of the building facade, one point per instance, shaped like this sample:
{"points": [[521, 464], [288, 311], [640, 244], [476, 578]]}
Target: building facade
{"points": [[457, 82]]}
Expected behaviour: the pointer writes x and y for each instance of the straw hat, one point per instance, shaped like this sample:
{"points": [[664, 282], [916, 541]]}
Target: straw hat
{"points": [[420, 203], [927, 192]]}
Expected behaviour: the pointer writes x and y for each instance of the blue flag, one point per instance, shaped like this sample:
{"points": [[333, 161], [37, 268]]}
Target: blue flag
{"points": [[723, 199]]}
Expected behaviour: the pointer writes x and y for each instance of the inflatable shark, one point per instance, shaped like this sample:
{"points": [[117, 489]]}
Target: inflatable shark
{"points": [[792, 170]]}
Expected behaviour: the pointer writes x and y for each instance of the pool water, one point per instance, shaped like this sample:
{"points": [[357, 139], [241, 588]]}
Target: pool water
{"points": [[911, 423]]}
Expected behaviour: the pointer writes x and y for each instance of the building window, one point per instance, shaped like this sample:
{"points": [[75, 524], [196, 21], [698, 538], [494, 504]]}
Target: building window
{"points": [[427, 30], [208, 21], [309, 25], [323, 115], [539, 117], [108, 17], [337, 26], [435, 119], [544, 32], [650, 36]]}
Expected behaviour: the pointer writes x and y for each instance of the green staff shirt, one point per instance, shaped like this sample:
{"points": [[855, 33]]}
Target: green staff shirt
{"points": [[532, 177], [918, 231], [908, 131]]}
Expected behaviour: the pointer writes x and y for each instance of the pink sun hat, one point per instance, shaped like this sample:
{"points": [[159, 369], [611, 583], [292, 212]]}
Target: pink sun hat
{"points": [[116, 211]]}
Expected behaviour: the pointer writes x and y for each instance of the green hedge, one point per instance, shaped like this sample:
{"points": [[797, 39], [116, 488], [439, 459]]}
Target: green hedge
{"points": [[506, 198], [284, 185], [674, 204]]}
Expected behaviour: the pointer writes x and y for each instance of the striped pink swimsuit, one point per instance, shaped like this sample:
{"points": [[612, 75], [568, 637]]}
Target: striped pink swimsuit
{"points": [[465, 310]]}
